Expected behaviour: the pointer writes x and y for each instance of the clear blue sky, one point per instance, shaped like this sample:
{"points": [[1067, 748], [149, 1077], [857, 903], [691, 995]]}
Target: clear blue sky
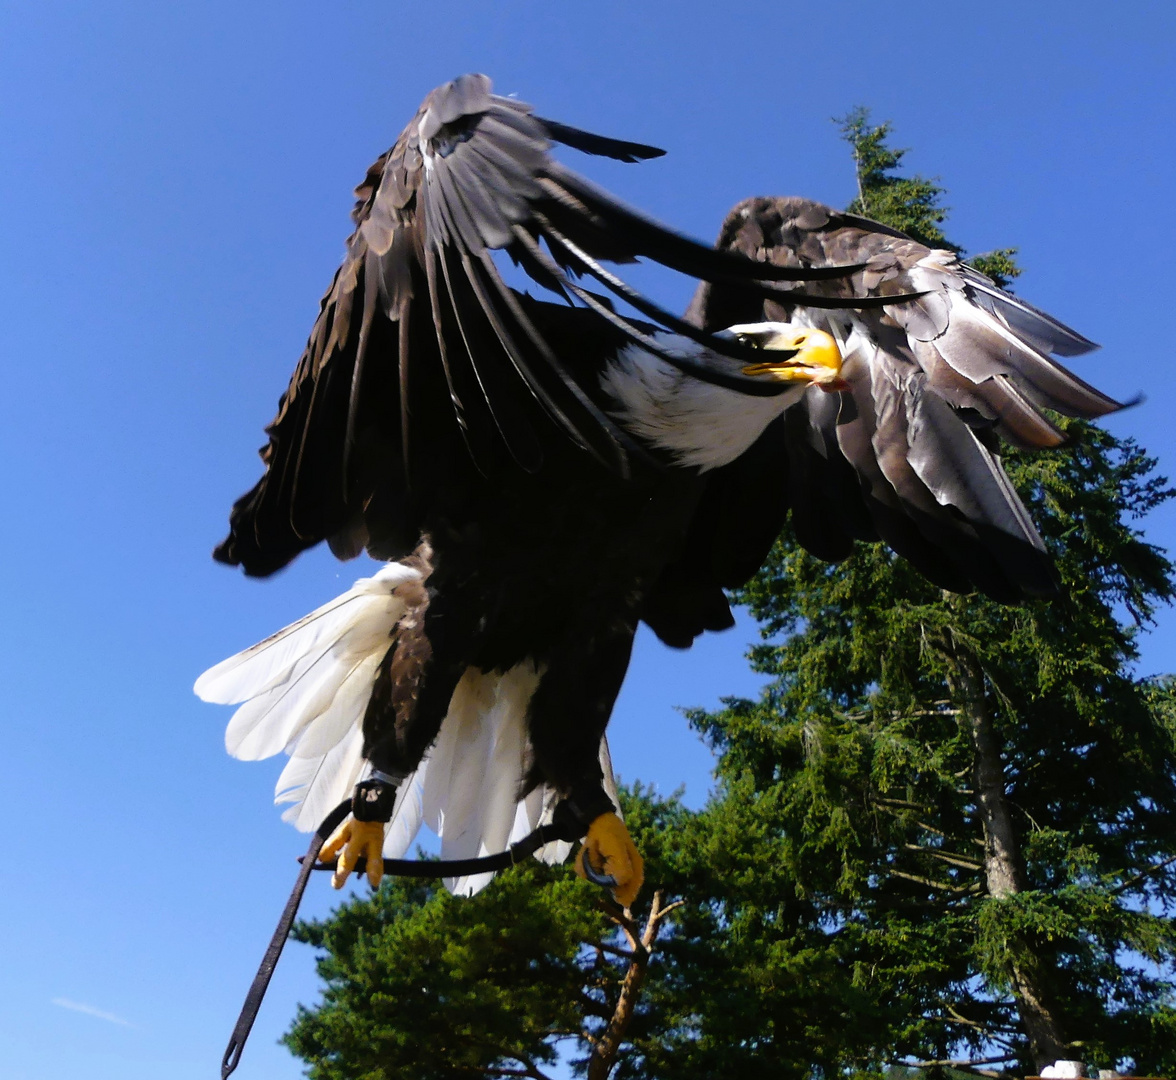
{"points": [[173, 200]]}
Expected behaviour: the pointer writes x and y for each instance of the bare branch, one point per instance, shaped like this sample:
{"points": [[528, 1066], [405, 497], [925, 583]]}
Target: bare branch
{"points": [[953, 1063], [624, 954], [992, 1031], [1130, 884], [945, 856], [657, 914], [942, 885], [894, 812], [608, 1043], [931, 829], [902, 803], [530, 1070]]}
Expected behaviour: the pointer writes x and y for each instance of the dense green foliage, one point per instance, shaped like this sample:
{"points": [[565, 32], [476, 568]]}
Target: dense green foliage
{"points": [[857, 755], [838, 912], [422, 984]]}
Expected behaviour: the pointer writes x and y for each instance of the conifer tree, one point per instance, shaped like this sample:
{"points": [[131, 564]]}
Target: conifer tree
{"points": [[945, 834], [982, 797], [422, 985]]}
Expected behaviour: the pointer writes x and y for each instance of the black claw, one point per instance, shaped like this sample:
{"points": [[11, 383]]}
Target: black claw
{"points": [[597, 877]]}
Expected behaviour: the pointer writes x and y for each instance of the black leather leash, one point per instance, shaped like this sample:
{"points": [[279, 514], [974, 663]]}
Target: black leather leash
{"points": [[563, 827]]}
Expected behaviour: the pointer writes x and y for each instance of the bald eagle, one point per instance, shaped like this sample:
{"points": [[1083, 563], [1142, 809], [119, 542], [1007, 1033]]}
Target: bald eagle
{"points": [[541, 475]]}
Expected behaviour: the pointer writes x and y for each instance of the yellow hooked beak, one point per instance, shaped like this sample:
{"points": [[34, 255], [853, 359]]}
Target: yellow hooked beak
{"points": [[815, 356]]}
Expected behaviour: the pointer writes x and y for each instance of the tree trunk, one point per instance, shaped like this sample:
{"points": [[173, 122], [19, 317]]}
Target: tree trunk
{"points": [[1004, 867]]}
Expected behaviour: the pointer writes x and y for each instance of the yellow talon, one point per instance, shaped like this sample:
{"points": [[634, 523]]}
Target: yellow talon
{"points": [[611, 851], [351, 841]]}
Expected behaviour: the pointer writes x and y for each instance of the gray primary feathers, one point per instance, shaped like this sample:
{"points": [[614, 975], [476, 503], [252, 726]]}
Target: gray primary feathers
{"points": [[932, 382]]}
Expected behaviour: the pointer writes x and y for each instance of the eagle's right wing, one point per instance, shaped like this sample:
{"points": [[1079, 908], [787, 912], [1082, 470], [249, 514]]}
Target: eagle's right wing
{"points": [[420, 347]]}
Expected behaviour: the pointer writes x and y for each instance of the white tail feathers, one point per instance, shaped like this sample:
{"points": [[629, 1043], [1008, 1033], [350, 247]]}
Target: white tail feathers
{"points": [[477, 766], [293, 678], [305, 691]]}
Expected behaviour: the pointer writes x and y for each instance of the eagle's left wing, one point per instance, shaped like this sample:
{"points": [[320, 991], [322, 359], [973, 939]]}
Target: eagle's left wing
{"points": [[908, 452]]}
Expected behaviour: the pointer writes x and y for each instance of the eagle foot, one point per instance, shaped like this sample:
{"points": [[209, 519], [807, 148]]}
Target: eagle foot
{"points": [[352, 841], [610, 857]]}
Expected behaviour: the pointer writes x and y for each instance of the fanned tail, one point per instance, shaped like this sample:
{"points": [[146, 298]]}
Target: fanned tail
{"points": [[305, 691]]}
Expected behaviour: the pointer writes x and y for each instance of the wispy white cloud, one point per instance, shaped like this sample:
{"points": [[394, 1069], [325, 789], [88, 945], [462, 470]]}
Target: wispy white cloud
{"points": [[89, 1010]]}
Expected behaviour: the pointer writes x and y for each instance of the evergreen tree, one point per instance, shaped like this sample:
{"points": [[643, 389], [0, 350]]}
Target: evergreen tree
{"points": [[427, 986], [981, 798]]}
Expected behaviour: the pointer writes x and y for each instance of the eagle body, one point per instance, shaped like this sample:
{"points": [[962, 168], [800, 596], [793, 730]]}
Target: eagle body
{"points": [[542, 475], [561, 590], [554, 568]]}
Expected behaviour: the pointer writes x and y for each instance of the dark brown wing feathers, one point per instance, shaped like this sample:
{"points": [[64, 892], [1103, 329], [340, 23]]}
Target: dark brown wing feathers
{"points": [[470, 175], [905, 455]]}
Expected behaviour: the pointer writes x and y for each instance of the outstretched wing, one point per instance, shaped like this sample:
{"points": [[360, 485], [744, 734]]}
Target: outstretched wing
{"points": [[908, 453], [419, 342]]}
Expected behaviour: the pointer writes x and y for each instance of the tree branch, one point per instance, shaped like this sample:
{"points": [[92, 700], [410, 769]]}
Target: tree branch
{"points": [[942, 885], [993, 1031], [608, 1042], [621, 918], [1118, 890], [531, 1071], [962, 1063], [878, 805], [902, 803], [624, 954], [945, 856]]}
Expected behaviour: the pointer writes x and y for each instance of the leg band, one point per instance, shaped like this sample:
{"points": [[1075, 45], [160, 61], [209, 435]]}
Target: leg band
{"points": [[374, 800]]}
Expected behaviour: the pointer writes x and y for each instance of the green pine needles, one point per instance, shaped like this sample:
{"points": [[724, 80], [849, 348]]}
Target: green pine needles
{"points": [[943, 839], [981, 798]]}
